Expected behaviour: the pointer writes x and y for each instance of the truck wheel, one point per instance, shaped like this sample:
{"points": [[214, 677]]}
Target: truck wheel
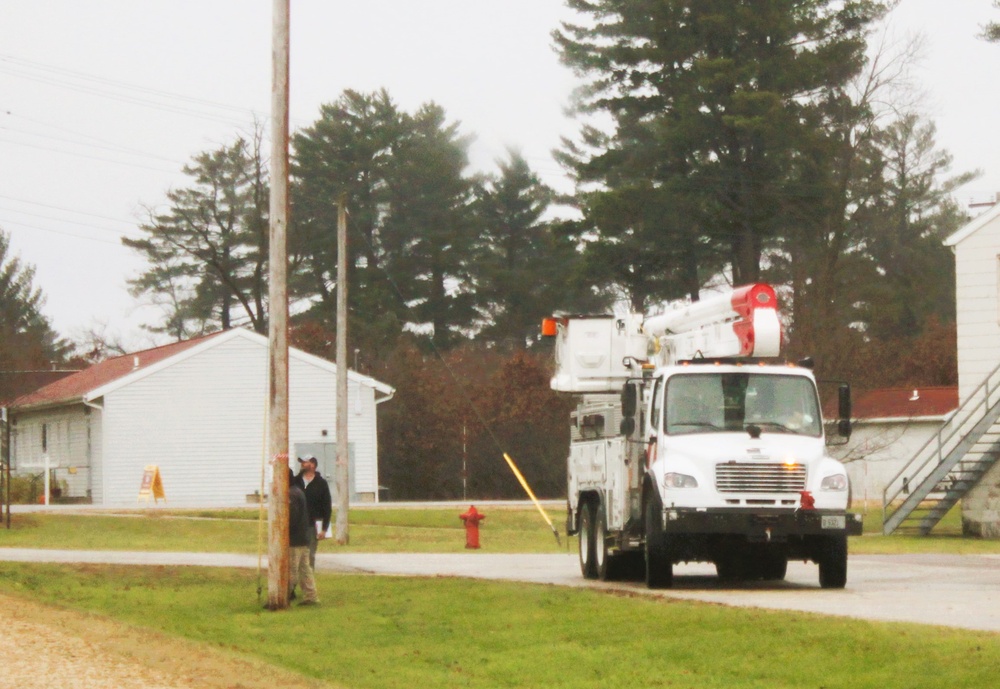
{"points": [[659, 565], [775, 566], [833, 562], [606, 563], [731, 568], [586, 537]]}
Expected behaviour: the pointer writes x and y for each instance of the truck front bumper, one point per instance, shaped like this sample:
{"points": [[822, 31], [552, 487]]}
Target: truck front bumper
{"points": [[761, 525]]}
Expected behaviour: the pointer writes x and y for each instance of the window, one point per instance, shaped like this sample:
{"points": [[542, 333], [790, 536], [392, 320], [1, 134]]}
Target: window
{"points": [[729, 402], [654, 407]]}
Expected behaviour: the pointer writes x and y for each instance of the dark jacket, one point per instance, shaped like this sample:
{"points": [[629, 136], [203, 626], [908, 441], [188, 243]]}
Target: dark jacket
{"points": [[317, 498], [299, 525]]}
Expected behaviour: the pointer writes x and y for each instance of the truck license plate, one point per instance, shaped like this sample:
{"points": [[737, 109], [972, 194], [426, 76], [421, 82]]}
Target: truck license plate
{"points": [[833, 522]]}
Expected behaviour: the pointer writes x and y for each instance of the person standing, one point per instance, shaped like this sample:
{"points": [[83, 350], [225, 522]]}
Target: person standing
{"points": [[299, 528], [318, 500]]}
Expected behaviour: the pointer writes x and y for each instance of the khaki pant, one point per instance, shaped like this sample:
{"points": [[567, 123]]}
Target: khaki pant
{"points": [[301, 573]]}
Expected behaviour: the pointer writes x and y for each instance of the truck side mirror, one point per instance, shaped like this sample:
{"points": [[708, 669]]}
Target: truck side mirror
{"points": [[844, 428], [844, 410], [627, 426], [628, 399]]}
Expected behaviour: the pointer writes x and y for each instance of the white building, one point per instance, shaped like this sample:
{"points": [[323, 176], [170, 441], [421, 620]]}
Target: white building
{"points": [[890, 426], [197, 410], [977, 267]]}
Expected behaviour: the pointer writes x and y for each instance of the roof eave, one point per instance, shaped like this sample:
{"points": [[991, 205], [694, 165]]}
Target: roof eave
{"points": [[43, 406], [973, 226]]}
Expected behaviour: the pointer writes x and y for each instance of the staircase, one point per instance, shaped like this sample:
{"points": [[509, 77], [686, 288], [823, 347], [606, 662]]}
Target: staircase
{"points": [[948, 466]]}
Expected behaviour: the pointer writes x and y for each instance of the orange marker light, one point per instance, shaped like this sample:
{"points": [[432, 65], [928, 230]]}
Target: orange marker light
{"points": [[549, 327]]}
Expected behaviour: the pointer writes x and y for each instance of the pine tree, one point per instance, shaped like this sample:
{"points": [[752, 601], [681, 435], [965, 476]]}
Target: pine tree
{"points": [[429, 229], [27, 339], [207, 254], [712, 104], [347, 152], [523, 268]]}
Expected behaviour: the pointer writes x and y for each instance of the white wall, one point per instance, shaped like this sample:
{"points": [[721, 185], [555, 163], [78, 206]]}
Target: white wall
{"points": [[313, 409], [977, 264], [878, 450], [201, 419], [978, 312]]}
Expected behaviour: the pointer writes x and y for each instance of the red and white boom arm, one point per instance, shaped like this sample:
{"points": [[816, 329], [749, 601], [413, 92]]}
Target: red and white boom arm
{"points": [[742, 322], [599, 353]]}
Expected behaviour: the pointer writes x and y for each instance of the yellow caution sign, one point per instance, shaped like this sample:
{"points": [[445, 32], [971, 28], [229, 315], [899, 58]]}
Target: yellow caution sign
{"points": [[152, 485]]}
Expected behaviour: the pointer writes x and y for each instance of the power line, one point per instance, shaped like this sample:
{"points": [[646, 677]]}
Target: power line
{"points": [[67, 210], [90, 157], [59, 232], [104, 144], [61, 220]]}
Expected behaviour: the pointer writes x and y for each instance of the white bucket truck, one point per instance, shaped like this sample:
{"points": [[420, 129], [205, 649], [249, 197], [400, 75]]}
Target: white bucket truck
{"points": [[692, 442]]}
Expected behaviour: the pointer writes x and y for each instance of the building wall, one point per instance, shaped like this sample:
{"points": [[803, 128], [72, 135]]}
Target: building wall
{"points": [[878, 451], [977, 262], [202, 421], [66, 440], [313, 410]]}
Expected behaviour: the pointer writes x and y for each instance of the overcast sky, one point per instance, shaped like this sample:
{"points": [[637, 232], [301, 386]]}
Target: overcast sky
{"points": [[102, 102]]}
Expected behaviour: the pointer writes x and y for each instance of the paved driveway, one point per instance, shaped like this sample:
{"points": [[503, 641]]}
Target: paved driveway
{"points": [[950, 590]]}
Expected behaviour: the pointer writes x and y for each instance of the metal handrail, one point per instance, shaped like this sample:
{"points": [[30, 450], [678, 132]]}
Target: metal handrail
{"points": [[958, 426]]}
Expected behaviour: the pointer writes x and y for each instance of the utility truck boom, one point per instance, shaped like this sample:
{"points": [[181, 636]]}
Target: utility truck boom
{"points": [[691, 441]]}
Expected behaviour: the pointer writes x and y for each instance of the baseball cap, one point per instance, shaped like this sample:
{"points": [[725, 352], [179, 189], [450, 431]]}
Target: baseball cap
{"points": [[307, 458]]}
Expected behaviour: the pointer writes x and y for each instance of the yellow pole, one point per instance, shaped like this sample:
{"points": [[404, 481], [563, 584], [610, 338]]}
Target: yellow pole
{"points": [[531, 494]]}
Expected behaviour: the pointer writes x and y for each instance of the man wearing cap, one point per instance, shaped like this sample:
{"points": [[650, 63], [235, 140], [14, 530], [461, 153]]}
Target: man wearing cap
{"points": [[318, 501], [299, 528]]}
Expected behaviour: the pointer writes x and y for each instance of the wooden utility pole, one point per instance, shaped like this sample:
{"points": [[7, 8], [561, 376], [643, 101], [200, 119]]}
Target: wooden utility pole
{"points": [[277, 408], [343, 477]]}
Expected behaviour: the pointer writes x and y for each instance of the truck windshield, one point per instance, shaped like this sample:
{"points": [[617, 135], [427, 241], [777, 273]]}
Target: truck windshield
{"points": [[714, 402]]}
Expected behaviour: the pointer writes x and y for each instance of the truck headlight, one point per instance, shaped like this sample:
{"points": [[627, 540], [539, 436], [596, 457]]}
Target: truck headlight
{"points": [[836, 482], [679, 481]]}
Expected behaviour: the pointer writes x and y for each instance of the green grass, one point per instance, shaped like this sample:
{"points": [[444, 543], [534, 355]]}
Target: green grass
{"points": [[945, 538], [388, 632], [385, 530], [506, 530]]}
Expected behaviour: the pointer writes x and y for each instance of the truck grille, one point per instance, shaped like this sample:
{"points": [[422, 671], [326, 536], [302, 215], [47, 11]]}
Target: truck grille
{"points": [[736, 477]]}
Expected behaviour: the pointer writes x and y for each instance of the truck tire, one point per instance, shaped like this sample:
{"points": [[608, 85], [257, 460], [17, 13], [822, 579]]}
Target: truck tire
{"points": [[605, 562], [659, 564], [765, 563], [775, 566], [731, 568], [832, 560], [588, 566]]}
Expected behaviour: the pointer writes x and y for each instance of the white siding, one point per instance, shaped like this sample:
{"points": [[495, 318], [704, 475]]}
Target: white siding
{"points": [[977, 292], [95, 449], [201, 419], [978, 309], [877, 452], [313, 409]]}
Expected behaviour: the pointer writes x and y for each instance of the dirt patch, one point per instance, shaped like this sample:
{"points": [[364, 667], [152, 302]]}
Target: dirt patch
{"points": [[43, 647]]}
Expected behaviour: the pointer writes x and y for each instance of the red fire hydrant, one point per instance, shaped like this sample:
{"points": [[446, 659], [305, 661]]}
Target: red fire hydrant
{"points": [[472, 519]]}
